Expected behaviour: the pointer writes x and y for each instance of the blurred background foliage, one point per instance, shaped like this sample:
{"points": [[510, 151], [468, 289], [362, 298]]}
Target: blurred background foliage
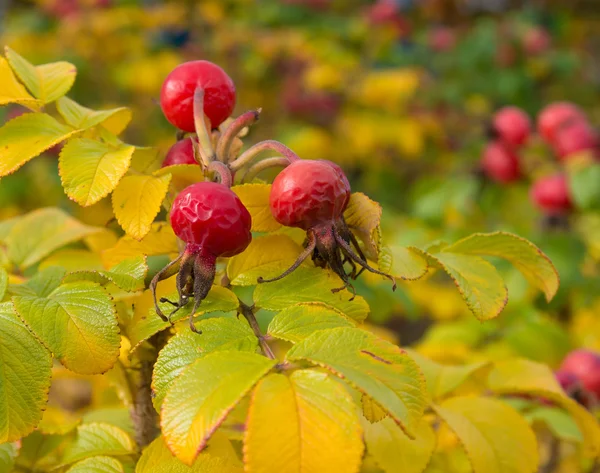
{"points": [[400, 93]]}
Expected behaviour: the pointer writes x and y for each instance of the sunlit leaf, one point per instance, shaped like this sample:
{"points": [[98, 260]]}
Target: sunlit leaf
{"points": [[82, 118], [99, 464], [202, 396], [41, 284], [128, 275], [558, 421], [266, 257], [136, 202], [8, 453], [25, 370], [299, 321], [255, 198], [496, 438], [77, 322], [47, 82], [11, 90], [363, 216], [182, 175], [372, 411], [73, 259], [522, 254], [27, 136], [3, 282], [98, 439], [373, 366], [402, 262], [308, 284], [91, 169], [218, 334], [320, 430]]}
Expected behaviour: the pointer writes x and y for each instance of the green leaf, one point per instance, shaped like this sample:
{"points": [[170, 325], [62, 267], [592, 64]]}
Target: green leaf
{"points": [[308, 284], [266, 257], [11, 90], [305, 422], [91, 169], [560, 423], [136, 202], [8, 453], [53, 229], [522, 254], [394, 451], [499, 441], [42, 284], [27, 136], [402, 262], [373, 366], [98, 439], [299, 321], [99, 464], [47, 82], [202, 396], [25, 371], [219, 457], [77, 322], [128, 275], [478, 282], [522, 376], [3, 282], [255, 198], [39, 452], [218, 334], [145, 325], [82, 118], [443, 379], [117, 416], [583, 185]]}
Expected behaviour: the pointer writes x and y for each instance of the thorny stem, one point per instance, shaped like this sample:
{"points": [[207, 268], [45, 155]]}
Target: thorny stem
{"points": [[224, 145], [248, 313], [223, 171], [262, 165], [268, 145], [207, 153]]}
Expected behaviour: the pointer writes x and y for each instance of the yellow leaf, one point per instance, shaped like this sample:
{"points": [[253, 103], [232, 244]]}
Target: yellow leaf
{"points": [[363, 217], [266, 257], [255, 198], [320, 432], [73, 260], [160, 240], [522, 376], [402, 262], [82, 118], [394, 451], [136, 202], [183, 175], [146, 160], [26, 137], [11, 90], [497, 439], [372, 411], [388, 88], [90, 170], [47, 82]]}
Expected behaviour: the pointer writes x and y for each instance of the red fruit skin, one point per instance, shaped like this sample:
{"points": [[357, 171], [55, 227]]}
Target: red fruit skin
{"points": [[536, 41], [181, 152], [500, 164], [211, 219], [512, 126], [575, 137], [177, 94], [555, 116], [442, 39], [551, 195], [308, 193], [566, 380], [585, 366]]}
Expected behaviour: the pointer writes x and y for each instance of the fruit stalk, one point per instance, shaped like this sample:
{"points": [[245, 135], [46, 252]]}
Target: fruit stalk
{"points": [[248, 313], [259, 167], [268, 145], [236, 126], [207, 154]]}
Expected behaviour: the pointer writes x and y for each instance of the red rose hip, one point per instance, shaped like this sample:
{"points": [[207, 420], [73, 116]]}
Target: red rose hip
{"points": [[500, 164], [556, 115], [512, 126], [585, 365], [575, 137], [551, 195], [181, 152], [177, 94]]}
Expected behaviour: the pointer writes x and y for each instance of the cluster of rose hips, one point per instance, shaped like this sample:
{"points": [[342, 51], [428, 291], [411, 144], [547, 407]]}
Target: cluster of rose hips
{"points": [[579, 376], [562, 126], [198, 97]]}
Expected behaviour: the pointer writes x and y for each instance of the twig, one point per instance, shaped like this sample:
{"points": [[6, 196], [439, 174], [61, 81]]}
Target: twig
{"points": [[552, 463], [248, 313]]}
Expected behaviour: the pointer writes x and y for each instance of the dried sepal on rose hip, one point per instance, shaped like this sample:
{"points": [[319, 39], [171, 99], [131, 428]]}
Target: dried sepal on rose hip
{"points": [[213, 222], [312, 195]]}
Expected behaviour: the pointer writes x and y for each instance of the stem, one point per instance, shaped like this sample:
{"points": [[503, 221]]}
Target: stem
{"points": [[268, 145], [224, 145], [207, 153], [257, 168], [248, 313], [223, 171], [553, 461]]}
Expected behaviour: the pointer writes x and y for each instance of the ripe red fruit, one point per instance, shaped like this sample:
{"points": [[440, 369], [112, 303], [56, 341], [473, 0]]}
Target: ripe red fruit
{"points": [[566, 380], [500, 164], [575, 137], [585, 365], [313, 195], [512, 126], [213, 222], [181, 152], [555, 116], [442, 39], [177, 94], [536, 41], [551, 194]]}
